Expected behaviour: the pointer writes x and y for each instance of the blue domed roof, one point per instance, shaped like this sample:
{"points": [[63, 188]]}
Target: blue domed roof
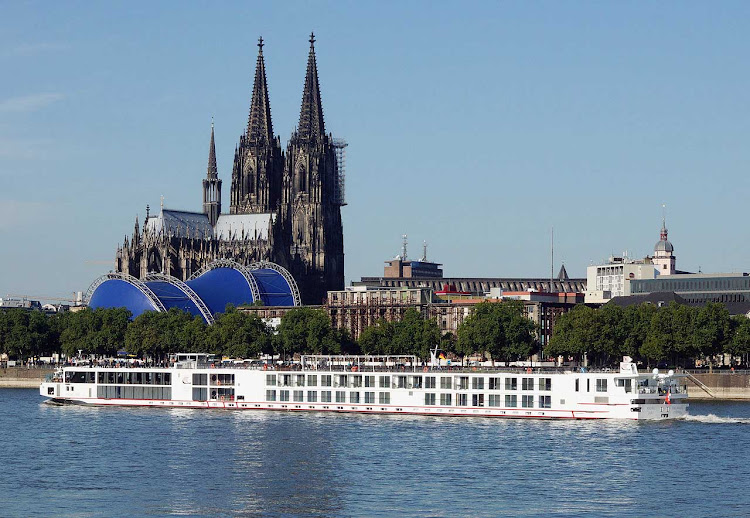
{"points": [[207, 293]]}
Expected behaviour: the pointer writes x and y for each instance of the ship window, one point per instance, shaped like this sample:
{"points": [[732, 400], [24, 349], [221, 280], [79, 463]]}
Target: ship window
{"points": [[527, 401], [369, 381], [286, 380], [283, 395], [370, 396], [297, 395], [429, 382], [601, 385], [312, 380], [429, 399], [494, 400], [401, 381], [445, 399], [340, 396], [477, 400], [462, 383], [417, 382], [495, 384], [511, 400], [462, 400], [527, 383], [325, 396], [312, 396], [385, 381], [445, 383], [270, 395], [325, 380], [201, 394], [578, 384], [168, 381], [270, 379], [353, 397], [111, 377], [356, 381], [342, 381], [384, 398], [545, 383], [477, 384], [201, 379], [511, 384], [588, 385], [300, 380], [545, 401], [100, 377]]}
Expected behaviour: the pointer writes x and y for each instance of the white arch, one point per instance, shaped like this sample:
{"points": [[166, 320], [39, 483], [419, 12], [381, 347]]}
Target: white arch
{"points": [[284, 273], [228, 263], [187, 290], [141, 286]]}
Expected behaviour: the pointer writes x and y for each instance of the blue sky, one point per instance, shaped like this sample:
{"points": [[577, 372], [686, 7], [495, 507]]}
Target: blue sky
{"points": [[476, 126]]}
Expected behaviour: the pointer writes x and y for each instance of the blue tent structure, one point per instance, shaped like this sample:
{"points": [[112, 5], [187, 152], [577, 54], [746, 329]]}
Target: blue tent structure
{"points": [[206, 293]]}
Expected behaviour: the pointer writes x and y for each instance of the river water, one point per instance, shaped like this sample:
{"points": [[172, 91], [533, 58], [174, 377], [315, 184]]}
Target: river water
{"points": [[105, 462]]}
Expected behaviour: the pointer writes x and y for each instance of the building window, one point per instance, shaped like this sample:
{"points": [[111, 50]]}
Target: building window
{"points": [[527, 383], [527, 401], [511, 383], [429, 399], [545, 401], [511, 400]]}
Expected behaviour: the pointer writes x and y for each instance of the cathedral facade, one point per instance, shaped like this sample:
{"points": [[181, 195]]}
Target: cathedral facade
{"points": [[285, 206]]}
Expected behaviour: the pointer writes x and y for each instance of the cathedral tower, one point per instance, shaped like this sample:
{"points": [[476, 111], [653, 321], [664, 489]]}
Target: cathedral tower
{"points": [[311, 210], [212, 185], [256, 175]]}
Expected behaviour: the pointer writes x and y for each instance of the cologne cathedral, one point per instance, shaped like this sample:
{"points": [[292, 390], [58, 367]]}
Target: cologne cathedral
{"points": [[285, 206]]}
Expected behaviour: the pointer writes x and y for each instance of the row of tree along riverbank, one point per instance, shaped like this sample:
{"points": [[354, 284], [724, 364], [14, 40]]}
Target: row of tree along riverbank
{"points": [[677, 335]]}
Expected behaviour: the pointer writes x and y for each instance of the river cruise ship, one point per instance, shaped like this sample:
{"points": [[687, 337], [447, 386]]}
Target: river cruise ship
{"points": [[377, 385]]}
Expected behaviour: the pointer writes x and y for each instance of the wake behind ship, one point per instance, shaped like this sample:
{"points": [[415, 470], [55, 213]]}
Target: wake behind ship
{"points": [[377, 385]]}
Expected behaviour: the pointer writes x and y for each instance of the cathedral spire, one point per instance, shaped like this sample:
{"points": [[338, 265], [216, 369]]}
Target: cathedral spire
{"points": [[311, 125], [212, 172], [259, 127]]}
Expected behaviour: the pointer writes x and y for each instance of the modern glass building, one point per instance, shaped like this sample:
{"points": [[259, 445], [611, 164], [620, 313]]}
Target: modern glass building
{"points": [[698, 288]]}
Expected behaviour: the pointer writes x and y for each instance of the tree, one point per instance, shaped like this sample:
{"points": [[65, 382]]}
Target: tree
{"points": [[713, 330], [238, 335], [500, 329], [739, 344], [576, 334], [307, 331]]}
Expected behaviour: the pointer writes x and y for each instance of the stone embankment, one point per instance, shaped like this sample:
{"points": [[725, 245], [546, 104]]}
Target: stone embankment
{"points": [[719, 385], [22, 377]]}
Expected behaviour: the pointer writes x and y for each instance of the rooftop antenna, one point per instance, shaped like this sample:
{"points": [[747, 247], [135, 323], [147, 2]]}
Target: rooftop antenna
{"points": [[403, 247], [424, 251], [552, 259]]}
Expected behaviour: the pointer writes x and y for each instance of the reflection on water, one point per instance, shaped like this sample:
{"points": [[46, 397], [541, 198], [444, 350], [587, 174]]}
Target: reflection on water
{"points": [[82, 461]]}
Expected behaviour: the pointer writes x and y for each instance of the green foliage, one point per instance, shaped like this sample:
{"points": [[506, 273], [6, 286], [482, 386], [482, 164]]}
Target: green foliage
{"points": [[739, 344], [307, 330], [237, 335], [500, 329]]}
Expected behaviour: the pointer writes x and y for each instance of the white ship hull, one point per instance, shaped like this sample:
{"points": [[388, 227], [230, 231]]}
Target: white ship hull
{"points": [[433, 392]]}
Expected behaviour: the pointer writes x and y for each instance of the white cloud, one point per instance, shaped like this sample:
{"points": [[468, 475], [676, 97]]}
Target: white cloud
{"points": [[29, 103]]}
